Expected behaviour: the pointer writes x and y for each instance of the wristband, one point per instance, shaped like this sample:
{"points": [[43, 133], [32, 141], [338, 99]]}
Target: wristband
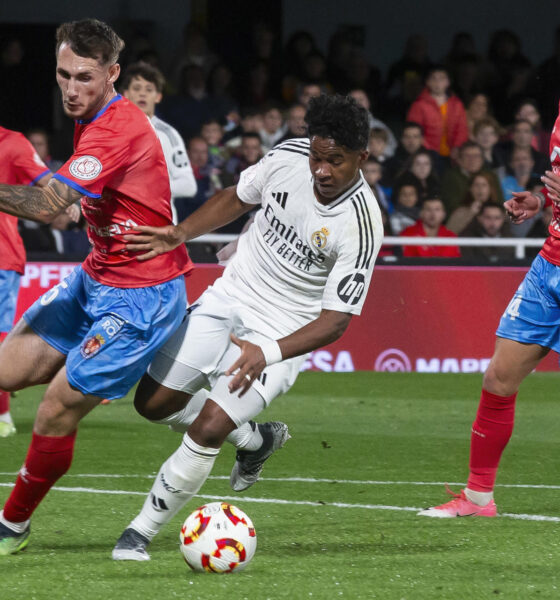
{"points": [[541, 199], [272, 352]]}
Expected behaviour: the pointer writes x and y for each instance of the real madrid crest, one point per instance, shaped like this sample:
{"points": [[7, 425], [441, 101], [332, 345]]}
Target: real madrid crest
{"points": [[319, 238]]}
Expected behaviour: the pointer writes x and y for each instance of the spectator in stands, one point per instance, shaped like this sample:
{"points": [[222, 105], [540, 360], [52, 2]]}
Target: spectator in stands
{"points": [[299, 45], [489, 223], [522, 139], [39, 139], [143, 85], [70, 238], [306, 91], [273, 128], [455, 180], [251, 122], [411, 140], [258, 87], [221, 86], [430, 224], [249, 153], [363, 100], [377, 145], [192, 105], [478, 107], [441, 114], [508, 75], [486, 133], [373, 171], [212, 132], [419, 169], [405, 77], [528, 110], [361, 74], [546, 84], [406, 212], [207, 178], [295, 123], [480, 192], [523, 178]]}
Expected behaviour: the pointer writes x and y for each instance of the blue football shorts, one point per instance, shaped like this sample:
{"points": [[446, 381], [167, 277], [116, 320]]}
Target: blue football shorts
{"points": [[9, 287], [533, 314], [108, 334]]}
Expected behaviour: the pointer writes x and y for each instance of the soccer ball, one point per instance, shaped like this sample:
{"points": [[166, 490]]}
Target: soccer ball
{"points": [[218, 538]]}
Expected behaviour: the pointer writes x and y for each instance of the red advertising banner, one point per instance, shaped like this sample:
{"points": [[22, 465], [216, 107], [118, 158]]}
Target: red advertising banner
{"points": [[425, 319]]}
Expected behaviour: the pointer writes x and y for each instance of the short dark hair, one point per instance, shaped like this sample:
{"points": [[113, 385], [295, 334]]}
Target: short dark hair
{"points": [[432, 198], [469, 144], [251, 135], [340, 118], [90, 38], [491, 204], [147, 72], [413, 125]]}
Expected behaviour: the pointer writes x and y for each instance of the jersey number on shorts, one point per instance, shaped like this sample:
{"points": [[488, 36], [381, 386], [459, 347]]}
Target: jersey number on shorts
{"points": [[513, 307]]}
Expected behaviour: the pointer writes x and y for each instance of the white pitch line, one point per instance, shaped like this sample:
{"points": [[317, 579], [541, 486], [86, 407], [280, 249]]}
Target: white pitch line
{"points": [[314, 480], [83, 490]]}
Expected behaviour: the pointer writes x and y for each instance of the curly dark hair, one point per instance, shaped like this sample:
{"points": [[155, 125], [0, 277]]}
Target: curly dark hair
{"points": [[90, 38], [340, 118]]}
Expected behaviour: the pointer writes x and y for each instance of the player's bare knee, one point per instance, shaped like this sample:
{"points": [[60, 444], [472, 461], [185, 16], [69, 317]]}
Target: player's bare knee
{"points": [[211, 427], [154, 401]]}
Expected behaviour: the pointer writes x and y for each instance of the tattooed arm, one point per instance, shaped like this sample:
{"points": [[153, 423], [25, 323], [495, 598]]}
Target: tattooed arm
{"points": [[37, 203]]}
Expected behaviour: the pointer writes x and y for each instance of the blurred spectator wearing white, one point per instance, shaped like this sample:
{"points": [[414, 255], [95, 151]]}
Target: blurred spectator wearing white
{"points": [[273, 128], [143, 85]]}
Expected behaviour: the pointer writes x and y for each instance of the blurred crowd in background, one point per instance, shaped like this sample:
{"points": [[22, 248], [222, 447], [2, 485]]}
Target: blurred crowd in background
{"points": [[451, 136]]}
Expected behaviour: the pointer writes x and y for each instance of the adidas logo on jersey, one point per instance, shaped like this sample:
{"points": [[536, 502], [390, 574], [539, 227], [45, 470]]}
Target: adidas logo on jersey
{"points": [[281, 198]]}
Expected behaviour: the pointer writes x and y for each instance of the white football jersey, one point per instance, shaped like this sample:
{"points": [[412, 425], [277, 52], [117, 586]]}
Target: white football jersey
{"points": [[299, 256], [181, 176]]}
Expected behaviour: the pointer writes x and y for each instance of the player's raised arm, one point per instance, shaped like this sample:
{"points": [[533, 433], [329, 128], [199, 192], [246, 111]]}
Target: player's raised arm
{"points": [[221, 209], [37, 203], [325, 329]]}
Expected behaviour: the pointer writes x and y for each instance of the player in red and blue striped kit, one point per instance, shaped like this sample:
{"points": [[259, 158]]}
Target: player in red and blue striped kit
{"points": [[93, 335], [528, 329]]}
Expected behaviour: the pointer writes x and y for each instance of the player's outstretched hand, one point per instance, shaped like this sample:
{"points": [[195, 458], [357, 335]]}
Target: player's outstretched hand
{"points": [[247, 367], [522, 206], [153, 241], [552, 183]]}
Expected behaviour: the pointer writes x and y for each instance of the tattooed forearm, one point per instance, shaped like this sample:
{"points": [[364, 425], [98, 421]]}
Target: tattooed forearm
{"points": [[37, 204]]}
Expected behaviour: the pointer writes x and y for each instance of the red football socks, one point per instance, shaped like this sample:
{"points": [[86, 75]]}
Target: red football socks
{"points": [[4, 402], [48, 458], [491, 431]]}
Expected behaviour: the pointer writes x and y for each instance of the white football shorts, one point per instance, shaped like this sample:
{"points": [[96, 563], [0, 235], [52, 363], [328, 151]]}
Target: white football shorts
{"points": [[200, 351]]}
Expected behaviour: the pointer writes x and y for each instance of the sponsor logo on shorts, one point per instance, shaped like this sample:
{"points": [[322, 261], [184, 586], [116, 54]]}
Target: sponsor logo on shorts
{"points": [[91, 346], [86, 167]]}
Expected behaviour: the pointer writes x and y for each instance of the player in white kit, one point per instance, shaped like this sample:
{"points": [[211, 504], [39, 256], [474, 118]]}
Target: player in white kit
{"points": [[299, 274]]}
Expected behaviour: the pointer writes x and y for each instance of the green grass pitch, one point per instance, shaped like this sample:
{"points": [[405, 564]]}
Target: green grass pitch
{"points": [[334, 512]]}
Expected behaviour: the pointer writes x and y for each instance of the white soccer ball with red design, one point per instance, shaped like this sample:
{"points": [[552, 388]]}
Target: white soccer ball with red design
{"points": [[218, 538]]}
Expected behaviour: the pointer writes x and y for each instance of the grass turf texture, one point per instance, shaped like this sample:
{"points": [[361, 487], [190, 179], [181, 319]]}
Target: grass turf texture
{"points": [[347, 428]]}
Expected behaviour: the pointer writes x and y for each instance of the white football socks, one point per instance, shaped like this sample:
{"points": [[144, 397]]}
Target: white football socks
{"points": [[179, 479], [479, 498], [245, 437]]}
